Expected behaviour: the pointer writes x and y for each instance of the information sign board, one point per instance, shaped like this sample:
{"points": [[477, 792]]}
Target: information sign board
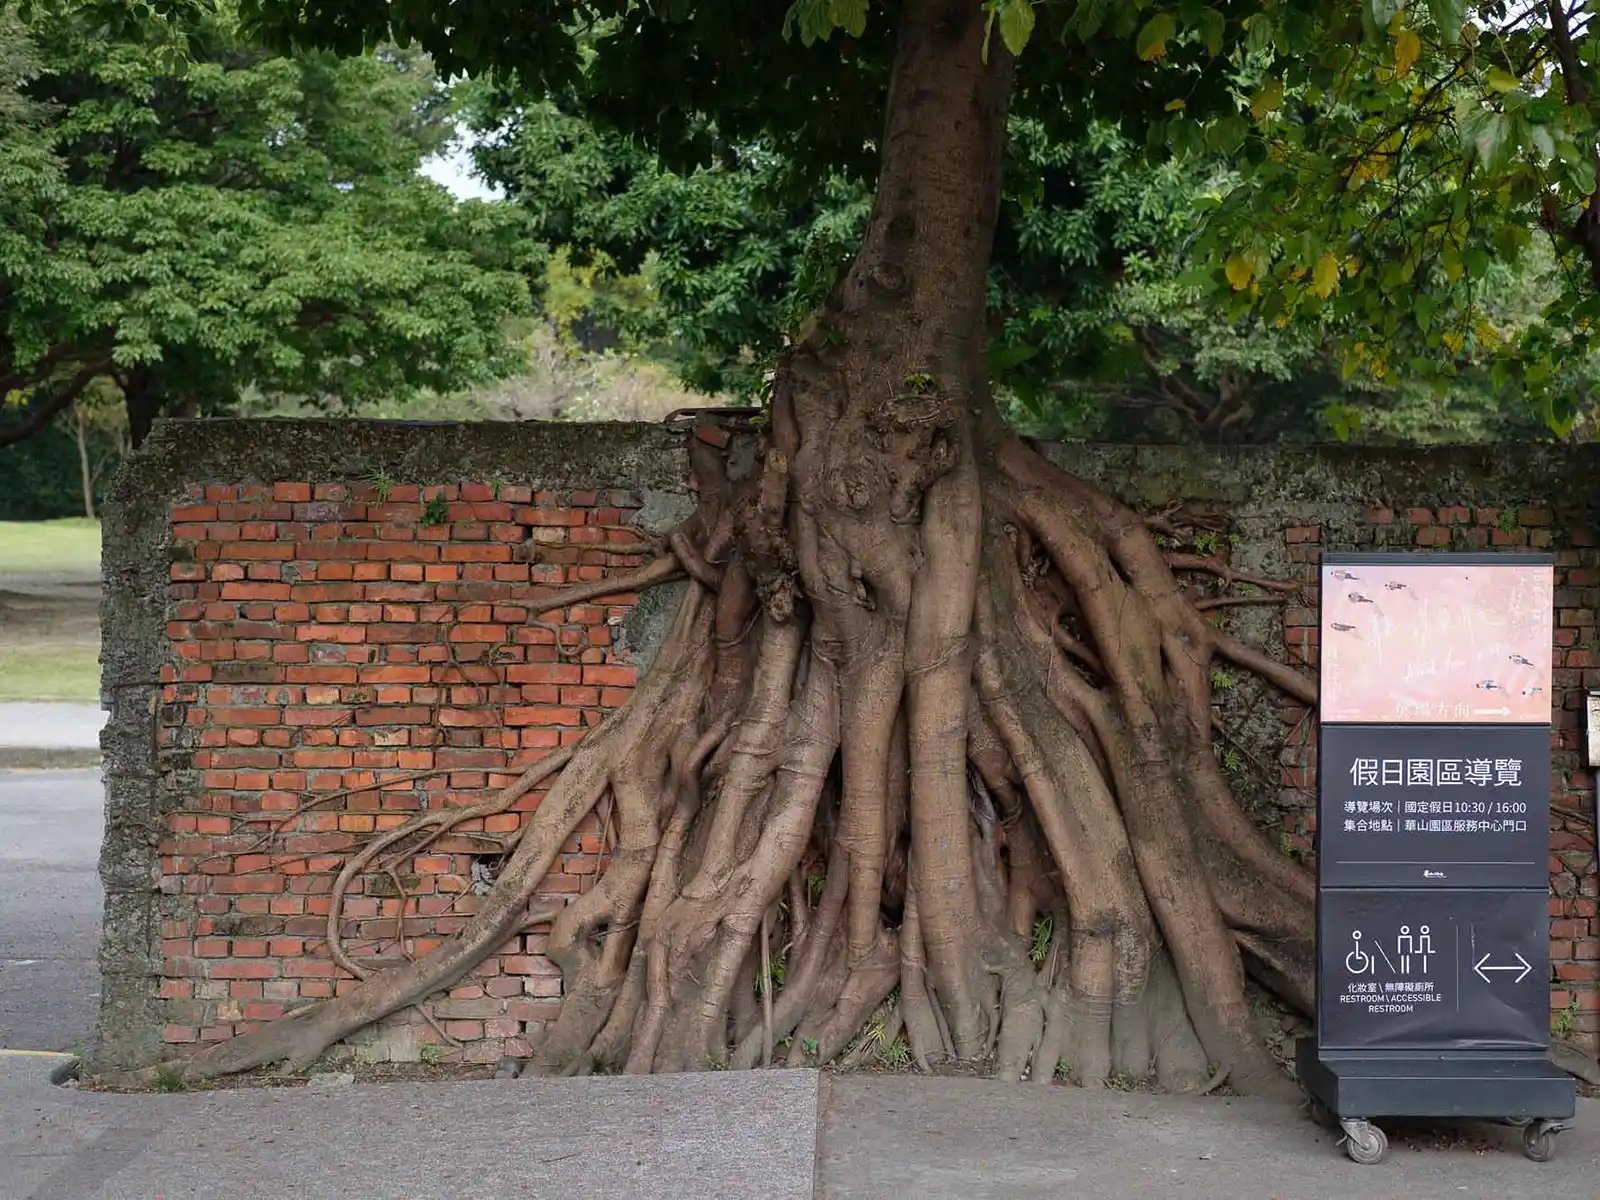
{"points": [[1434, 969], [1446, 806]]}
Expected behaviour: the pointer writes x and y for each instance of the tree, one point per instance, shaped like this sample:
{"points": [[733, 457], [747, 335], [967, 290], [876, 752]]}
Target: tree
{"points": [[914, 657], [1095, 325], [98, 415], [1397, 156], [187, 214], [734, 253], [1087, 321]]}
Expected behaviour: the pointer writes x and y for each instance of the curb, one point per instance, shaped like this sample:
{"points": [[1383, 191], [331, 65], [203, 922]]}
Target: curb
{"points": [[63, 1072]]}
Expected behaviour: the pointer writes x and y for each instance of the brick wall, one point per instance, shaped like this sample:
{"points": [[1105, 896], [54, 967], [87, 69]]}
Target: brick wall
{"points": [[280, 625], [339, 640]]}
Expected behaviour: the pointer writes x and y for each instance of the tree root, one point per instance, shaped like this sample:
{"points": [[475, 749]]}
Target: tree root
{"points": [[930, 734], [669, 961]]}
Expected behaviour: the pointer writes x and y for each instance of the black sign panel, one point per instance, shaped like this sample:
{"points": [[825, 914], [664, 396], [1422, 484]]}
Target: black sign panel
{"points": [[1445, 806], [1434, 969]]}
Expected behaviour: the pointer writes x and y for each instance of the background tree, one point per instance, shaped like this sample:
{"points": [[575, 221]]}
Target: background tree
{"points": [[1391, 160], [186, 214], [1096, 325], [913, 660]]}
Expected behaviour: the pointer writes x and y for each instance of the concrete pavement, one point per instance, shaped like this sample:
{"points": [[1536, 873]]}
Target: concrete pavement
{"points": [[709, 1136], [50, 907], [38, 735], [768, 1135], [898, 1136]]}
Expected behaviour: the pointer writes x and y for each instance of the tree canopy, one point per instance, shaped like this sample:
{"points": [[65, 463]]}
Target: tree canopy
{"points": [[1098, 324], [189, 214], [1384, 162]]}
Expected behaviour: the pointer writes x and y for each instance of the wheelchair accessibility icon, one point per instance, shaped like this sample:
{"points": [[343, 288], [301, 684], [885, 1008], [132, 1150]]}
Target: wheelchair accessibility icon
{"points": [[1411, 950], [1358, 961]]}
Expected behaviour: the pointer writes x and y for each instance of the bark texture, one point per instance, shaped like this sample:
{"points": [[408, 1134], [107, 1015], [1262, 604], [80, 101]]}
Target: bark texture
{"points": [[932, 728]]}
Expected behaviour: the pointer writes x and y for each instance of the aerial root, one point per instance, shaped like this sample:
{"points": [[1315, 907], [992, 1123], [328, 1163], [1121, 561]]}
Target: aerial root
{"points": [[969, 806]]}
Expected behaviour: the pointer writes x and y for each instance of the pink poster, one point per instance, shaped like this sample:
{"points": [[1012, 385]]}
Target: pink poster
{"points": [[1445, 642]]}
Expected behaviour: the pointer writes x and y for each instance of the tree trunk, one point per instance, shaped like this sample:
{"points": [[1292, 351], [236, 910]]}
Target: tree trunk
{"points": [[140, 394], [919, 661], [85, 471]]}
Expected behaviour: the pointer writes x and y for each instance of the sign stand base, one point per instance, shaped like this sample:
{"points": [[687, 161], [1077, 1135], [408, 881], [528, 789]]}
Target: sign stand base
{"points": [[1352, 1087]]}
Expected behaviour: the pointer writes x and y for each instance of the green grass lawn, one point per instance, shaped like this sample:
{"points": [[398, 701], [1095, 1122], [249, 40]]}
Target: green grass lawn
{"points": [[49, 618], [68, 546], [62, 671]]}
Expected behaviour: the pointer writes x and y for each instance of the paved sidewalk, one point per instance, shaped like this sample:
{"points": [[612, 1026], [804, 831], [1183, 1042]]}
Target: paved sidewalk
{"points": [[39, 736], [51, 726], [770, 1135], [711, 1136], [898, 1136]]}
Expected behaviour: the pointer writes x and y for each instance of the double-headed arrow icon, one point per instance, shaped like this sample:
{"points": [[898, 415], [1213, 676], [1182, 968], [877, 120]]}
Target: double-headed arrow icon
{"points": [[1522, 971]]}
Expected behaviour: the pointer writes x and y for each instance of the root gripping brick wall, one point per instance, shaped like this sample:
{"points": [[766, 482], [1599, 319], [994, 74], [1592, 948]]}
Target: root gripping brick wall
{"points": [[338, 612]]}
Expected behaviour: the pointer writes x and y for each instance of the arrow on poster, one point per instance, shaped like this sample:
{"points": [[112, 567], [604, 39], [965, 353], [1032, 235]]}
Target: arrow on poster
{"points": [[1522, 970]]}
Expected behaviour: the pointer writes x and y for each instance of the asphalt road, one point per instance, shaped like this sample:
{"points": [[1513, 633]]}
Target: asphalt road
{"points": [[50, 908]]}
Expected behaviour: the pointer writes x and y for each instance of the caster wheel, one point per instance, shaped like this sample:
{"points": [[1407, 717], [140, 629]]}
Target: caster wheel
{"points": [[1364, 1142], [1539, 1142]]}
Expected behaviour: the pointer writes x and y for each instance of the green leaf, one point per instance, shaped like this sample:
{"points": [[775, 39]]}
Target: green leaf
{"points": [[1407, 49], [1016, 23], [1212, 26], [812, 19], [1449, 16], [1343, 419], [1500, 80], [1260, 33], [1151, 43], [1485, 134], [1268, 100], [1088, 17], [849, 15], [1227, 135], [1325, 278], [1003, 357], [1544, 110]]}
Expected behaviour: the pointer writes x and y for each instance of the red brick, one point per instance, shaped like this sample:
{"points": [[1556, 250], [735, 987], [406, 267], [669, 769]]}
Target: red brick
{"points": [[478, 633], [281, 551], [255, 591], [548, 516], [712, 435], [542, 715], [339, 634]]}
